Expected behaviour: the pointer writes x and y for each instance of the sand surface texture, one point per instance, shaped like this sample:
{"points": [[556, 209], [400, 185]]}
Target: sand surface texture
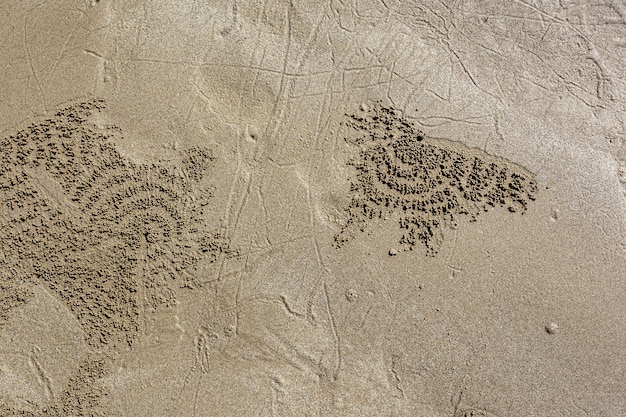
{"points": [[312, 208]]}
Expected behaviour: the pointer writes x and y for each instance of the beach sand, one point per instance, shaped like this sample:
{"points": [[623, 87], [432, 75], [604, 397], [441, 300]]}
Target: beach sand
{"points": [[307, 208]]}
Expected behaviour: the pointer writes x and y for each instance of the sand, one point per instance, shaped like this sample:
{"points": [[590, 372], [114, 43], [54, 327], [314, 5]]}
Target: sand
{"points": [[303, 208]]}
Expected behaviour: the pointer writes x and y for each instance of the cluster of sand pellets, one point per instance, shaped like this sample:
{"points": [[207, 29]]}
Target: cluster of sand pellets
{"points": [[13, 293], [426, 183], [82, 396], [109, 237]]}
